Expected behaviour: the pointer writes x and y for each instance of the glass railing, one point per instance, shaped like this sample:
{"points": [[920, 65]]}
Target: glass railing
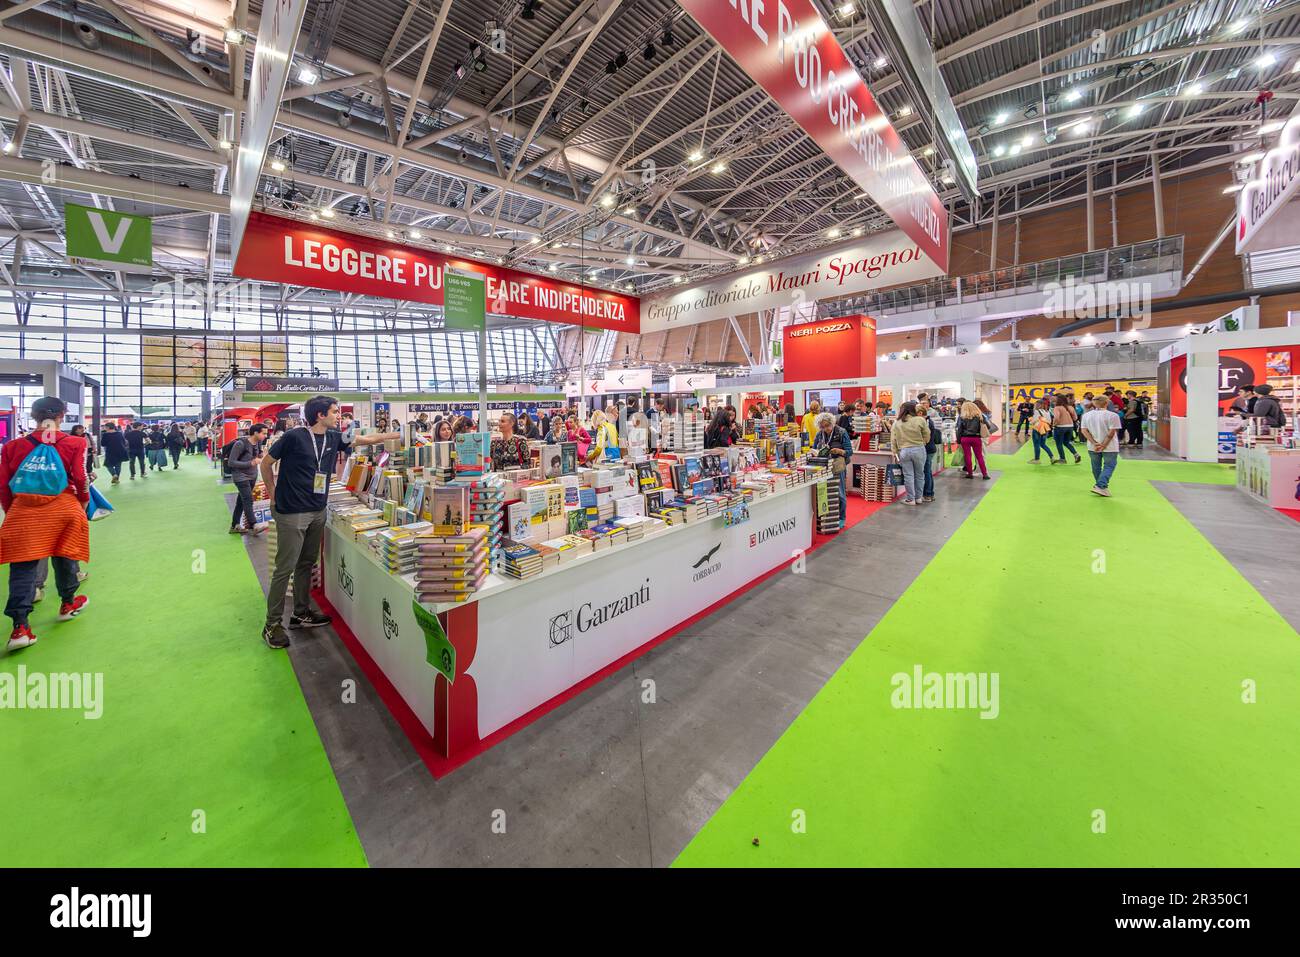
{"points": [[1148, 351], [1105, 265]]}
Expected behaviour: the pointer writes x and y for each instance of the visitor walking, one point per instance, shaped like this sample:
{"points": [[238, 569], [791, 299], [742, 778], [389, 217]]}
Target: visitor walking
{"points": [[157, 448], [191, 438], [1025, 415], [908, 438], [137, 443], [43, 491], [972, 430], [935, 444], [1039, 430], [1101, 427], [205, 435], [113, 444], [1063, 421], [175, 445], [1134, 416], [245, 456]]}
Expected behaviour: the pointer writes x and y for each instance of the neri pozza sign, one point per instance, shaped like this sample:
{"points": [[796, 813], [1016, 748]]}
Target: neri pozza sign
{"points": [[787, 48], [305, 254]]}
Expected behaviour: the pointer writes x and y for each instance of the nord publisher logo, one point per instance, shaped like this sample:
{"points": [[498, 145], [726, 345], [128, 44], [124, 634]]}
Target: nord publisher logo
{"points": [[389, 622], [346, 583]]}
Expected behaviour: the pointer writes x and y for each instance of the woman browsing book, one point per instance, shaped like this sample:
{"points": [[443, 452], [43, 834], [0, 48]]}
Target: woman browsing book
{"points": [[509, 449]]}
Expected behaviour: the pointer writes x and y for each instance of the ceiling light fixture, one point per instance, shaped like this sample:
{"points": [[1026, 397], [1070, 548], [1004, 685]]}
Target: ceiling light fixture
{"points": [[718, 167], [607, 201], [743, 261], [629, 210], [1136, 109], [307, 75], [1073, 95], [833, 232], [277, 164], [677, 280], [416, 234], [1000, 118], [928, 151], [234, 37], [1027, 141], [327, 213], [999, 150], [1266, 60], [1015, 149], [845, 10], [857, 230], [880, 62], [1194, 89], [226, 145], [552, 267], [904, 110], [695, 156], [390, 234]]}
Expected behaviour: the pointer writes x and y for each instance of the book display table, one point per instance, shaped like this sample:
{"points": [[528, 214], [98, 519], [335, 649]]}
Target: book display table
{"points": [[520, 644]]}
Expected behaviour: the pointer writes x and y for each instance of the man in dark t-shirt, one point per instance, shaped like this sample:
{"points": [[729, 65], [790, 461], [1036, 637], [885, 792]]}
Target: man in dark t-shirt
{"points": [[1024, 412], [299, 494]]}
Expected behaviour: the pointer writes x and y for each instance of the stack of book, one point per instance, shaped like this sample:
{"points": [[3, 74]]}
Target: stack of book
{"points": [[440, 462], [564, 549], [872, 484], [633, 525], [486, 507], [519, 559], [549, 554], [395, 547], [450, 567], [832, 521]]}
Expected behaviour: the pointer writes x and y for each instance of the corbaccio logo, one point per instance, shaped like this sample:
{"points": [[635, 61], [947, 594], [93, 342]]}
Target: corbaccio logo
{"points": [[706, 566], [798, 331], [390, 623], [780, 528], [561, 628], [346, 583]]}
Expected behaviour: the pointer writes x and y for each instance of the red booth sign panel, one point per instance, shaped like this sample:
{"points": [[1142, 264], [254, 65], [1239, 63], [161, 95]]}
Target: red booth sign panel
{"points": [[843, 348], [1237, 367], [790, 51], [305, 254]]}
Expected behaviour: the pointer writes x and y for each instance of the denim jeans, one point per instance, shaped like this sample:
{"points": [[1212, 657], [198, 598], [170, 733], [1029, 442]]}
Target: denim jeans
{"points": [[844, 495], [1063, 435], [927, 489], [1040, 444], [22, 585], [912, 459], [1103, 466], [134, 458]]}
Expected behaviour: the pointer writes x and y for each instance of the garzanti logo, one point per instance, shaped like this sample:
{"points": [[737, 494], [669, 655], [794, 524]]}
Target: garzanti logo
{"points": [[703, 568], [820, 330], [561, 628], [345, 578], [390, 623], [780, 528]]}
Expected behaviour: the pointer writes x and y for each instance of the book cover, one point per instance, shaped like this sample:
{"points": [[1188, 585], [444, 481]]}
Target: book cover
{"points": [[471, 447], [647, 475], [554, 501], [693, 471], [449, 510], [552, 461], [568, 458], [517, 517]]}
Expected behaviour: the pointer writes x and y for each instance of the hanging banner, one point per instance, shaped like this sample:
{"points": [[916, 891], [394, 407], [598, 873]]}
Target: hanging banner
{"points": [[627, 380], [277, 35], [198, 361], [107, 239], [464, 300], [690, 381], [1274, 182], [881, 259], [307, 254], [788, 50]]}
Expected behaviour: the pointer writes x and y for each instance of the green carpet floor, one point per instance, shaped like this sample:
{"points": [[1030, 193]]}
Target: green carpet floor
{"points": [[1120, 692], [198, 715]]}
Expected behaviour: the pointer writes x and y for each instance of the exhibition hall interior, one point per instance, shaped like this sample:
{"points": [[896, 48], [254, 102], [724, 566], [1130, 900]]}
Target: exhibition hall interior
{"points": [[649, 434]]}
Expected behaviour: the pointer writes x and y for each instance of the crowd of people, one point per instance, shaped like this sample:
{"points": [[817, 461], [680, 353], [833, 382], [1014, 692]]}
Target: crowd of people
{"points": [[147, 447]]}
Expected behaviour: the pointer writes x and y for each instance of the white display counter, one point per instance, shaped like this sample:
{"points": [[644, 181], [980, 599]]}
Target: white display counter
{"points": [[1270, 474], [519, 644]]}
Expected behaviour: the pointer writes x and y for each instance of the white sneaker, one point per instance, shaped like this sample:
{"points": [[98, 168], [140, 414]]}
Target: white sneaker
{"points": [[40, 593]]}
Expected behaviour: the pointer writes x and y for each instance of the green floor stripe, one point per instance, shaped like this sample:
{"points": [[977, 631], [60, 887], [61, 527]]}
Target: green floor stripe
{"points": [[1120, 693], [201, 722]]}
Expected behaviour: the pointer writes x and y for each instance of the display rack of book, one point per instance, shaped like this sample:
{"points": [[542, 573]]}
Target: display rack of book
{"points": [[829, 520], [872, 484]]}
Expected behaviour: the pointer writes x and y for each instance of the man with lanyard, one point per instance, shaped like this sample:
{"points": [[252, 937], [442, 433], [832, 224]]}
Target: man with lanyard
{"points": [[299, 494]]}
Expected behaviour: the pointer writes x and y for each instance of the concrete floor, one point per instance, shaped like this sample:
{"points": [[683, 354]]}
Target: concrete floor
{"points": [[605, 779]]}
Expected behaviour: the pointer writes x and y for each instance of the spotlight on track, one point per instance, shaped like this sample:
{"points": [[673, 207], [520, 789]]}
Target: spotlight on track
{"points": [[530, 8], [650, 51], [668, 39]]}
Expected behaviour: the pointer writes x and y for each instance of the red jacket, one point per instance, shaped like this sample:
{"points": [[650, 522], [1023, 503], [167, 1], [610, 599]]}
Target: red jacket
{"points": [[71, 449]]}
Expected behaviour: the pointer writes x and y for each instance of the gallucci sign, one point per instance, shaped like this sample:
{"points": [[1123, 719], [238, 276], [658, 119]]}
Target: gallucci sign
{"points": [[790, 52], [1275, 183], [882, 259]]}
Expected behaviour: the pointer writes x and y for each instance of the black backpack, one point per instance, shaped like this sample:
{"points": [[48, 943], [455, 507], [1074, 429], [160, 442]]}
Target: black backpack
{"points": [[225, 454]]}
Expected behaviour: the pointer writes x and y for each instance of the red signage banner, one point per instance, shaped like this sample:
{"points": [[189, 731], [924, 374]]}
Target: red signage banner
{"points": [[843, 348], [306, 254], [787, 49]]}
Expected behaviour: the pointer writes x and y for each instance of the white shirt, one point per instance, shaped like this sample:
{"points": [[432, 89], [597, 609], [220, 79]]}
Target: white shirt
{"points": [[1097, 422]]}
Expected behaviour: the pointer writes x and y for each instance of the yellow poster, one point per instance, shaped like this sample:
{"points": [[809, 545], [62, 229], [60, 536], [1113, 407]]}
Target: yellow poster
{"points": [[1039, 390], [190, 357]]}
